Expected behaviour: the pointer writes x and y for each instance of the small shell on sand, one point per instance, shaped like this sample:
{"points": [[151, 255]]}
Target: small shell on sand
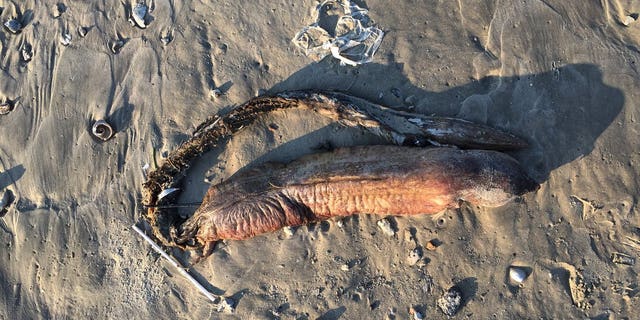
{"points": [[14, 26], [414, 256], [629, 19], [166, 39], [288, 231], [518, 274], [5, 107], [386, 227], [82, 31], [116, 46], [138, 14], [102, 130], [65, 38], [26, 52], [450, 301], [432, 245], [225, 305]]}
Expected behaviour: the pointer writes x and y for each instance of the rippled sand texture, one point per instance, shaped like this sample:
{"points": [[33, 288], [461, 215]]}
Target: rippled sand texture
{"points": [[563, 74]]}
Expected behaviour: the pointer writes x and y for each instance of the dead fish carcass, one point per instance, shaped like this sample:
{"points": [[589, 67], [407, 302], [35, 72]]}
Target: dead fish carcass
{"points": [[384, 180]]}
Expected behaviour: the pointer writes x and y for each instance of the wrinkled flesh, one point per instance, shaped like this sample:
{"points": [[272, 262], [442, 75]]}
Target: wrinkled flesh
{"points": [[386, 180]]}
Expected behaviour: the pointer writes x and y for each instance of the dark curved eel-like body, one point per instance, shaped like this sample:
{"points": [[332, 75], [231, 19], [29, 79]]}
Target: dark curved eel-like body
{"points": [[374, 179], [385, 180]]}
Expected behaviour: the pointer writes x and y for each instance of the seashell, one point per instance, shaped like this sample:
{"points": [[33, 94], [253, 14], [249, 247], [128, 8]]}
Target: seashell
{"points": [[226, 305], [518, 274], [386, 228], [102, 130], [630, 19], [5, 107], [65, 38], [450, 301], [138, 13], [289, 231], [116, 45], [27, 52], [433, 244], [414, 256], [82, 31], [166, 39], [14, 26]]}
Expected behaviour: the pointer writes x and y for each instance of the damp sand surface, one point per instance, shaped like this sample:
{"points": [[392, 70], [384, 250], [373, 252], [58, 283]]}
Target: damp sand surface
{"points": [[562, 74]]}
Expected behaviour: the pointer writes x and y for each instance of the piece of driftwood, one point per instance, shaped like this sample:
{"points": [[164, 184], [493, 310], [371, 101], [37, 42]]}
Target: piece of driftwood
{"points": [[293, 194]]}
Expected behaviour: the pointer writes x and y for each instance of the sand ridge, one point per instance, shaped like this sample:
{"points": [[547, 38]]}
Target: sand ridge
{"points": [[563, 74]]}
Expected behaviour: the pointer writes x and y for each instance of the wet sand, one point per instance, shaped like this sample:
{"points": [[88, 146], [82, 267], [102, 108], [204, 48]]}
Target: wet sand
{"points": [[562, 74]]}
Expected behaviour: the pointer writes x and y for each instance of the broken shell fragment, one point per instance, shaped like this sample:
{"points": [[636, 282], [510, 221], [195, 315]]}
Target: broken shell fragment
{"points": [[5, 107], [82, 31], [65, 38], [288, 231], [116, 45], [518, 274], [102, 130], [450, 301], [138, 13], [414, 256], [226, 305], [26, 52], [432, 245], [166, 39], [386, 228], [14, 26]]}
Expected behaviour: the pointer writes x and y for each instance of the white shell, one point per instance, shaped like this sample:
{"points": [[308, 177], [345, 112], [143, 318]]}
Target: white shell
{"points": [[517, 274], [138, 13], [27, 52], [13, 25], [65, 38], [414, 256], [226, 305], [386, 228], [629, 20], [82, 31], [102, 130], [5, 107], [288, 231]]}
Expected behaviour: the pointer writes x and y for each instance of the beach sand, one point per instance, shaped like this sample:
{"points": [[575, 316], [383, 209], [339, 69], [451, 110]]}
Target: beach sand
{"points": [[561, 74]]}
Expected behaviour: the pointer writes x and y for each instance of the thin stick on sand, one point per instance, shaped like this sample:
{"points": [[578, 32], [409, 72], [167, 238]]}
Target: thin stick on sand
{"points": [[215, 299]]}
